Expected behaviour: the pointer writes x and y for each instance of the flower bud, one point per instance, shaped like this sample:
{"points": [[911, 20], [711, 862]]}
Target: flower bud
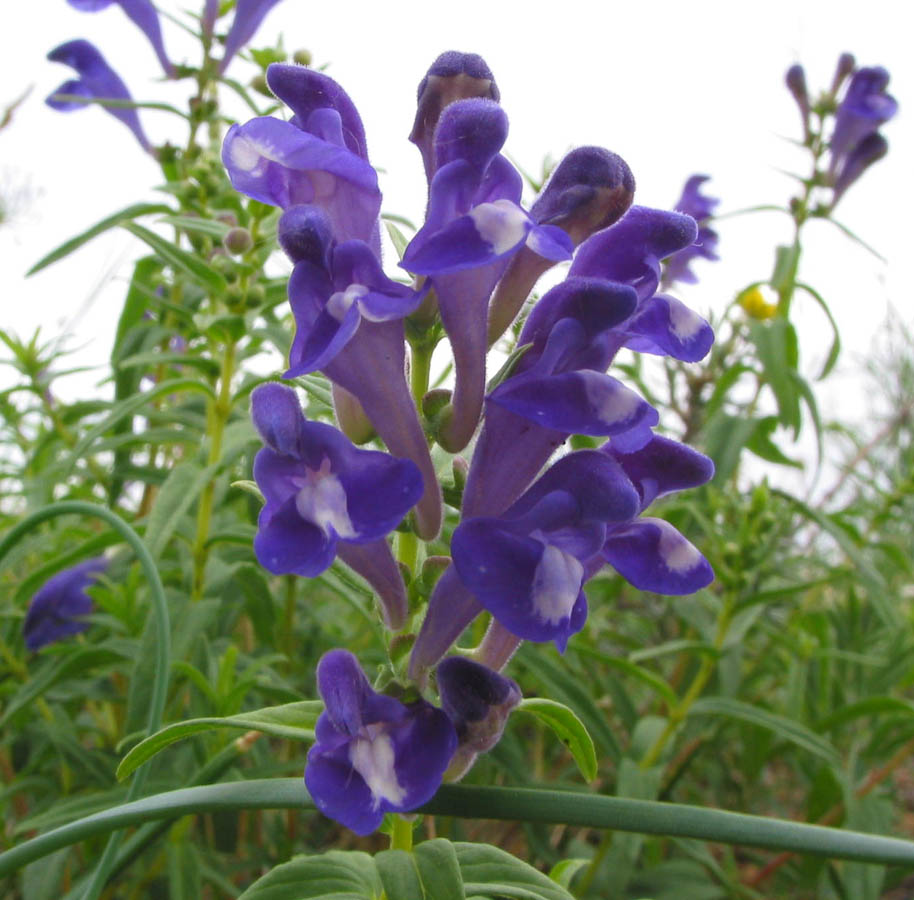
{"points": [[302, 57], [845, 67], [453, 76], [238, 241], [796, 84], [478, 702]]}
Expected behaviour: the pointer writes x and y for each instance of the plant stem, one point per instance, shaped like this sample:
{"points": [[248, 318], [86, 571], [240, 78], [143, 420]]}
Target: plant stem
{"points": [[401, 835], [218, 414]]}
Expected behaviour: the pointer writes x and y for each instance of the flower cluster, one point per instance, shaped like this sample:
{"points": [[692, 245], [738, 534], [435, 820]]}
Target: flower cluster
{"points": [[529, 535], [98, 81], [855, 142]]}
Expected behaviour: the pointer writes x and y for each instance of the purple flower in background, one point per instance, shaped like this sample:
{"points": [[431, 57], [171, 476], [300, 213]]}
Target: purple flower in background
{"points": [[647, 552], [473, 226], [349, 324], [57, 610], [143, 14], [97, 81], [248, 16], [373, 754], [319, 488], [317, 158], [700, 207], [855, 143]]}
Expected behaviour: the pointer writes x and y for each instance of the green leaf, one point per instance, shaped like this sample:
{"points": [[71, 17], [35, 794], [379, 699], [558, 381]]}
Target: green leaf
{"points": [[156, 358], [76, 663], [761, 444], [181, 488], [400, 876], [871, 706], [786, 260], [725, 436], [490, 872], [335, 875], [291, 720], [440, 870], [209, 227], [566, 687], [563, 872], [399, 240], [835, 349], [787, 729], [655, 682], [776, 344], [125, 215], [568, 728], [179, 259]]}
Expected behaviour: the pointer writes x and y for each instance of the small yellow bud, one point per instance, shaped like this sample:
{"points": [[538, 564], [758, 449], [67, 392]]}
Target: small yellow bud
{"points": [[755, 304]]}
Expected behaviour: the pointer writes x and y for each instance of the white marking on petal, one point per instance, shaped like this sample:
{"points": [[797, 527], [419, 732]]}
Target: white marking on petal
{"points": [[373, 758], [677, 553], [322, 500], [616, 404], [685, 324], [247, 154], [501, 224], [339, 303], [556, 585]]}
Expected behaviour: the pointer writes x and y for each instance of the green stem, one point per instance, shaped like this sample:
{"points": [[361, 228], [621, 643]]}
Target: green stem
{"points": [[420, 365], [506, 804], [218, 415], [401, 835]]}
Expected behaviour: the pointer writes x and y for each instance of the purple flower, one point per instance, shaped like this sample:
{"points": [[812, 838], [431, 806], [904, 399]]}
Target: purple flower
{"points": [[608, 301], [97, 81], [373, 754], [478, 702], [589, 190], [57, 610], [248, 16], [865, 107], [317, 158], [527, 566], [647, 552], [700, 207], [796, 84], [474, 225], [452, 76], [319, 488], [349, 324], [143, 14]]}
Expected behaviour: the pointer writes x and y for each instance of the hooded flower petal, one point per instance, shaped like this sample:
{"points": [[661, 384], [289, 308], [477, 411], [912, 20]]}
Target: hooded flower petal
{"points": [[248, 16], [373, 754], [865, 107], [700, 207], [97, 80], [143, 14], [452, 76], [57, 609], [277, 163]]}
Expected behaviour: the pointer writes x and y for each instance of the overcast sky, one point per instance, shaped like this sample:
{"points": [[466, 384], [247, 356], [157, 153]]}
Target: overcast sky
{"points": [[673, 87]]}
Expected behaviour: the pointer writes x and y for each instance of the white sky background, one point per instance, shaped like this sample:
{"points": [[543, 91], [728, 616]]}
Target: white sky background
{"points": [[675, 88]]}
